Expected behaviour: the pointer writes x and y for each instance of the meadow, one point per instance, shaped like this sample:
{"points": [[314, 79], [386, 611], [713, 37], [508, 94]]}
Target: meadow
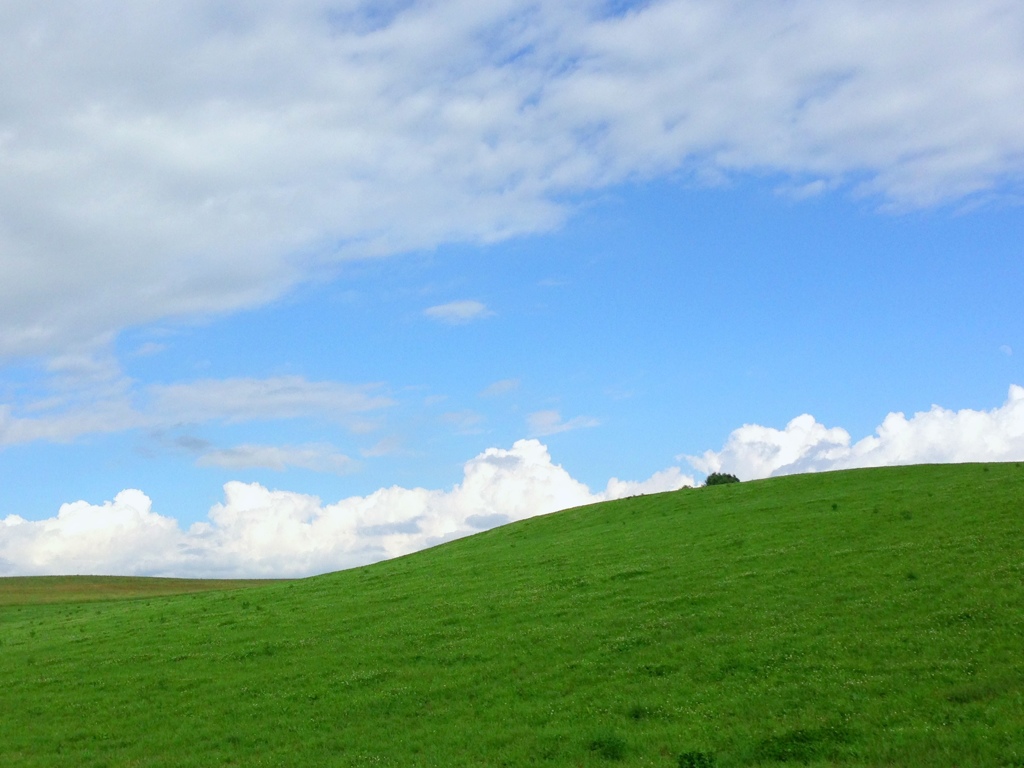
{"points": [[29, 590], [859, 618]]}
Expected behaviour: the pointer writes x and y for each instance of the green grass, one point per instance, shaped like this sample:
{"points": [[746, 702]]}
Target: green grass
{"points": [[28, 590], [863, 618]]}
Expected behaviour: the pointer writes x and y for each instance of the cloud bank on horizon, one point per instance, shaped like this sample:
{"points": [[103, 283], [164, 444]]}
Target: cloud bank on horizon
{"points": [[257, 532], [936, 436], [261, 532], [244, 148]]}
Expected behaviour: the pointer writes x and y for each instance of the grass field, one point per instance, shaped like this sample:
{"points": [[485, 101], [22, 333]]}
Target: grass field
{"points": [[26, 590], [862, 618]]}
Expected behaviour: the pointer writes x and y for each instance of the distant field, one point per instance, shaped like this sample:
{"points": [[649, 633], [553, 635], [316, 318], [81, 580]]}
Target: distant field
{"points": [[862, 618], [25, 590]]}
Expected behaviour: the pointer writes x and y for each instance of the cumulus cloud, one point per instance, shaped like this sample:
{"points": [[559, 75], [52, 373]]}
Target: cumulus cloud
{"points": [[543, 423], [178, 159], [934, 436], [256, 531], [671, 479], [458, 312], [119, 536]]}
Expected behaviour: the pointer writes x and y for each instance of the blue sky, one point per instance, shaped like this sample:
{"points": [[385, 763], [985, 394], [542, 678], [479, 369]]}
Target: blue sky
{"points": [[497, 260]]}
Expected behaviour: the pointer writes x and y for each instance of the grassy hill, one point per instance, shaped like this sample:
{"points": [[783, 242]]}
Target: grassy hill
{"points": [[28, 590], [862, 618]]}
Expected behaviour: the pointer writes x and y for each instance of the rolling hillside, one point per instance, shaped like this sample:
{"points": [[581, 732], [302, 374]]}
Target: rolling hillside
{"points": [[861, 618]]}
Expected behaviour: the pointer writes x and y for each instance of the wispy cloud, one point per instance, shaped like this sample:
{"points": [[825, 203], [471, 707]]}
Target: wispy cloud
{"points": [[318, 457], [432, 125], [502, 387], [542, 423], [118, 405], [466, 422], [149, 349], [246, 399], [458, 312], [388, 446], [102, 417]]}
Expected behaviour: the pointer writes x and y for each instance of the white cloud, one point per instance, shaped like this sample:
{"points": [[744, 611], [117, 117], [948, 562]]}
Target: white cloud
{"points": [[934, 436], [502, 387], [178, 159], [465, 422], [122, 536], [102, 417], [458, 312], [671, 479], [388, 446], [753, 451], [262, 532], [281, 397], [316, 457], [543, 423], [149, 348], [116, 405]]}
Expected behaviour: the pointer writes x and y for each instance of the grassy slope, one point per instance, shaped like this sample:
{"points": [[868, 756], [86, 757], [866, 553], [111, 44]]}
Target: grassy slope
{"points": [[28, 590], [856, 618]]}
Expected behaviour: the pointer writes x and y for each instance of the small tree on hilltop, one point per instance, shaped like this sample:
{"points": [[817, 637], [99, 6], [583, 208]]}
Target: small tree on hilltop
{"points": [[721, 478]]}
